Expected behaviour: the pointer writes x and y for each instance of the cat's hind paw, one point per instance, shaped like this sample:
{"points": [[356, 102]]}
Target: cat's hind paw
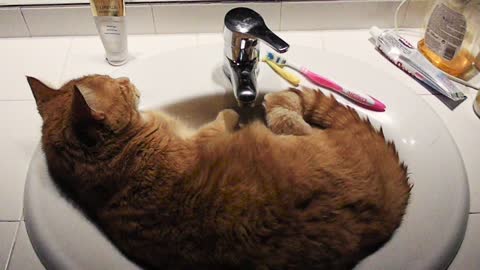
{"points": [[286, 122], [283, 114]]}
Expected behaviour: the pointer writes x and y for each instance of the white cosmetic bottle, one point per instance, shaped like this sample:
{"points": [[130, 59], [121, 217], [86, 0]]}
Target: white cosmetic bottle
{"points": [[109, 18]]}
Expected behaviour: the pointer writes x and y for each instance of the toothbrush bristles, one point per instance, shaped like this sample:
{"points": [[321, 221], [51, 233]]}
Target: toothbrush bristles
{"points": [[276, 59], [270, 56]]}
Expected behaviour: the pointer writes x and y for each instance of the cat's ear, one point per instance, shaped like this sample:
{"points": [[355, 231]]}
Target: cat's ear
{"points": [[41, 92], [85, 104]]}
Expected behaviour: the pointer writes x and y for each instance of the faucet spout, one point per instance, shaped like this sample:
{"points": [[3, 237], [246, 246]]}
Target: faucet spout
{"points": [[243, 28], [243, 76]]}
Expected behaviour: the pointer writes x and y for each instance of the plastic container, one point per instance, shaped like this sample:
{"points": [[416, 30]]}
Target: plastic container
{"points": [[450, 32]]}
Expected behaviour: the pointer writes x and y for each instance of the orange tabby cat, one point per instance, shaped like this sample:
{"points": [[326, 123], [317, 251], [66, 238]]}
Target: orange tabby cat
{"points": [[286, 196]]}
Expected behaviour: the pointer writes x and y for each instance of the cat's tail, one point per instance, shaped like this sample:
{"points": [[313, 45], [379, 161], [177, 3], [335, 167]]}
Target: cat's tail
{"points": [[313, 106], [324, 111]]}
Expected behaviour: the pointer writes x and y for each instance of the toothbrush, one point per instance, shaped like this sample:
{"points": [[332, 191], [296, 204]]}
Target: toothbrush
{"points": [[289, 77], [365, 100]]}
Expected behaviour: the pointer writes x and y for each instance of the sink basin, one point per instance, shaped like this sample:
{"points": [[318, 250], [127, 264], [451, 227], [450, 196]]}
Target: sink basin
{"points": [[190, 84]]}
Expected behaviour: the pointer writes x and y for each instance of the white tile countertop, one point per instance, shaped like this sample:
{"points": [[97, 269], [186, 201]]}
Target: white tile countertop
{"points": [[59, 59]]}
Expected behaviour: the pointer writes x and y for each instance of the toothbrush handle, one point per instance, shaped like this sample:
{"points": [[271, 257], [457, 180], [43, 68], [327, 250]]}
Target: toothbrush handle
{"points": [[292, 79], [361, 98], [321, 81]]}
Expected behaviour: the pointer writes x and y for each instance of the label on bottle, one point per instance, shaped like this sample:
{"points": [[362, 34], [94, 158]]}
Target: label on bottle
{"points": [[445, 31], [113, 34]]}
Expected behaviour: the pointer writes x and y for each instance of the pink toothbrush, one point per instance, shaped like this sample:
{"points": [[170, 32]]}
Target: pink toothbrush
{"points": [[364, 100]]}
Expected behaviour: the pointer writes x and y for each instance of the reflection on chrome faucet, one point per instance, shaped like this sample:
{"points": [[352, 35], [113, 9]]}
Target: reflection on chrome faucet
{"points": [[243, 28]]}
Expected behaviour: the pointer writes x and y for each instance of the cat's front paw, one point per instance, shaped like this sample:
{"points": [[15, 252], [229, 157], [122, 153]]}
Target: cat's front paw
{"points": [[229, 117]]}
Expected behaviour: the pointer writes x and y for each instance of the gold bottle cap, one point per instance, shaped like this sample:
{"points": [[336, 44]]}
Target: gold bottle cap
{"points": [[108, 7]]}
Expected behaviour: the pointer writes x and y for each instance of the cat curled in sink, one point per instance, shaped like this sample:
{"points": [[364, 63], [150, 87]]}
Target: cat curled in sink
{"points": [[316, 188]]}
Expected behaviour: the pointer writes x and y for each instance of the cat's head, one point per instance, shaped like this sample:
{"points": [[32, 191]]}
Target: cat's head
{"points": [[89, 103]]}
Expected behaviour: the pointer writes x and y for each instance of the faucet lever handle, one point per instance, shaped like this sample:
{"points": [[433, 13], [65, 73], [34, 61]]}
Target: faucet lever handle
{"points": [[246, 21], [274, 41]]}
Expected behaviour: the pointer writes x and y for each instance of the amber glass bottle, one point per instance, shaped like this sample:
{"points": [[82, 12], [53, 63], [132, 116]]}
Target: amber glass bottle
{"points": [[450, 33]]}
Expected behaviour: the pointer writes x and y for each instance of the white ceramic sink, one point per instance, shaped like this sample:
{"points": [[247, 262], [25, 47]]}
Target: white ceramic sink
{"points": [[189, 83]]}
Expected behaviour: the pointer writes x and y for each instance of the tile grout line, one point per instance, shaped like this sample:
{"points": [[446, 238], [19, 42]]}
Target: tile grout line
{"points": [[153, 19], [10, 254], [25, 21]]}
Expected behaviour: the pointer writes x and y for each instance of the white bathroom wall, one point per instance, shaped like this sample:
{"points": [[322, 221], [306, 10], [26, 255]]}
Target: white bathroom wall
{"points": [[193, 17], [62, 2], [12, 23]]}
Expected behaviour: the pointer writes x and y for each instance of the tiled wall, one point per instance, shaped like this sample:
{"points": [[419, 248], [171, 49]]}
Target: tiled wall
{"points": [[188, 17]]}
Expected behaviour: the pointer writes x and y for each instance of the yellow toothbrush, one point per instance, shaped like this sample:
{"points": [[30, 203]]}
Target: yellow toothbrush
{"points": [[289, 77]]}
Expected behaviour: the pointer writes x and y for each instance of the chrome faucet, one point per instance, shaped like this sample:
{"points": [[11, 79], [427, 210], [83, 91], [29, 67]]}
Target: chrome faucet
{"points": [[243, 27]]}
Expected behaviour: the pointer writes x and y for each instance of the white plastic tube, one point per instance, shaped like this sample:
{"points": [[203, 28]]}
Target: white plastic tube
{"points": [[401, 53], [109, 18]]}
